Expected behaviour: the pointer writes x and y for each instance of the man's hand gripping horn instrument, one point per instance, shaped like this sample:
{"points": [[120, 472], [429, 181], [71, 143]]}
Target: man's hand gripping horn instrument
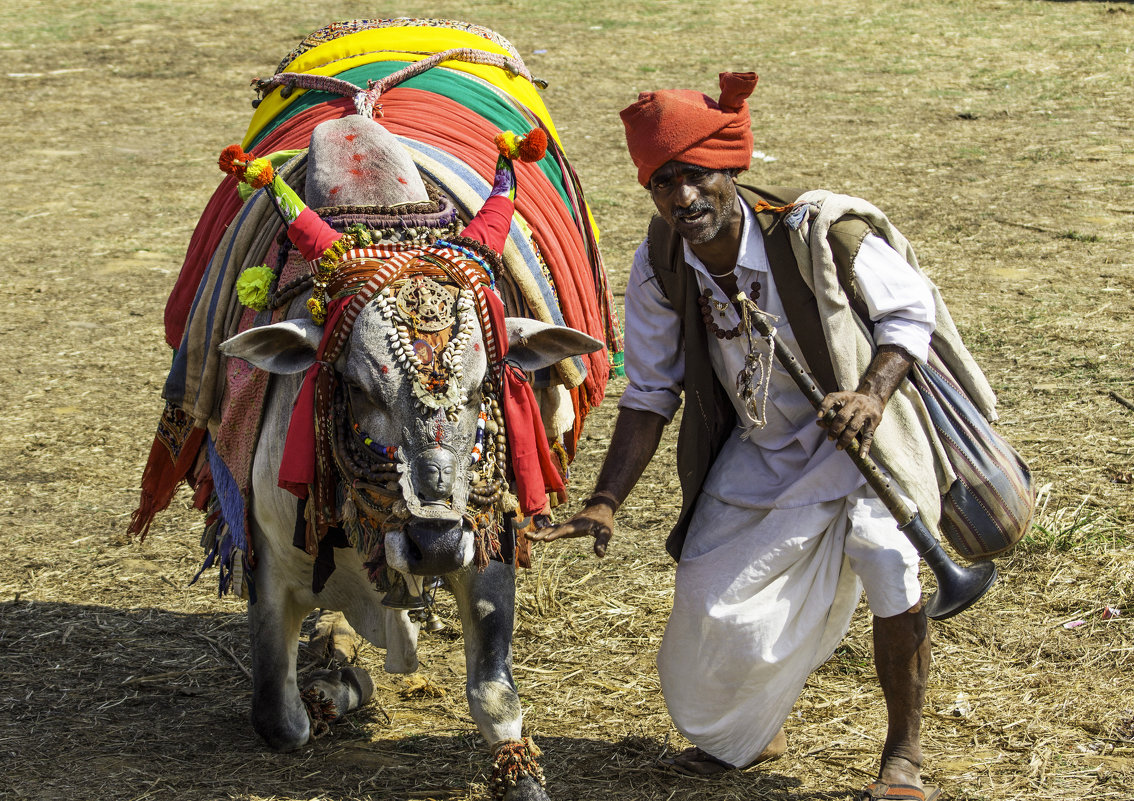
{"points": [[958, 587]]}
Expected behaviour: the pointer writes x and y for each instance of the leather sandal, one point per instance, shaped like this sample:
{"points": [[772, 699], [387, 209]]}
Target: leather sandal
{"points": [[879, 791]]}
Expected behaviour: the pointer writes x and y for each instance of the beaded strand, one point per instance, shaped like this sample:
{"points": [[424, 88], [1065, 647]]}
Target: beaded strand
{"points": [[707, 303]]}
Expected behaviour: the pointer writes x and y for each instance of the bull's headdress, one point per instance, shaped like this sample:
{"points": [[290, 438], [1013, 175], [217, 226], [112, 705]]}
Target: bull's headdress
{"points": [[354, 160]]}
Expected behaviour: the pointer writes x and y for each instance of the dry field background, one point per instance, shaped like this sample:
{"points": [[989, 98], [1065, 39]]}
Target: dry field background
{"points": [[998, 137]]}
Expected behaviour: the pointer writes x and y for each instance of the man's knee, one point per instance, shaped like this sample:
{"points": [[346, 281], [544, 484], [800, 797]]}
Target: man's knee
{"points": [[916, 608]]}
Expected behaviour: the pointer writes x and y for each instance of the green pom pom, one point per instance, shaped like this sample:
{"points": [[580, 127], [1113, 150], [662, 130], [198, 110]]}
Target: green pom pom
{"points": [[362, 236], [252, 287]]}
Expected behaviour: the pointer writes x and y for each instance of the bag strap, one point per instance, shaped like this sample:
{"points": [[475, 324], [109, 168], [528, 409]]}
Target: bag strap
{"points": [[800, 305], [666, 255]]}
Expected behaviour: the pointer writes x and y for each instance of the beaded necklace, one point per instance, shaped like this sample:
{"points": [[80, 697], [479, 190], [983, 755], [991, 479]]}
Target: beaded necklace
{"points": [[422, 305], [708, 303]]}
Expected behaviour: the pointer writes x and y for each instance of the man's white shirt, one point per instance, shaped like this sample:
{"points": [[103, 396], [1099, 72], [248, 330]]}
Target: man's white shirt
{"points": [[790, 456]]}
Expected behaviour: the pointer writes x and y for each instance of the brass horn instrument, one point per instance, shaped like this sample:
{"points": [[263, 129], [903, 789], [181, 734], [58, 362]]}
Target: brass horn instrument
{"points": [[958, 587]]}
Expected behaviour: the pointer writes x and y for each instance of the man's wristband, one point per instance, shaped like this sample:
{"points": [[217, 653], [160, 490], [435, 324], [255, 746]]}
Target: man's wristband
{"points": [[603, 496]]}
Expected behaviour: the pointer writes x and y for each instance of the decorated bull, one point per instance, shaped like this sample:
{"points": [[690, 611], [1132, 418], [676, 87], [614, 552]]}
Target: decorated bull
{"points": [[373, 391]]}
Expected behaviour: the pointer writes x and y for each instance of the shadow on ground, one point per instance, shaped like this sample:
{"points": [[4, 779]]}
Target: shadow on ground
{"points": [[148, 703]]}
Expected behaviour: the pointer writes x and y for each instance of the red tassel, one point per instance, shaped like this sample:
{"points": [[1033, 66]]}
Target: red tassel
{"points": [[233, 160], [533, 146]]}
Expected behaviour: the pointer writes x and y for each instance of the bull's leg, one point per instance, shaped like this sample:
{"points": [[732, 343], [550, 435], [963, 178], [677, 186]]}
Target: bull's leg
{"points": [[333, 639], [284, 597], [278, 713], [486, 601]]}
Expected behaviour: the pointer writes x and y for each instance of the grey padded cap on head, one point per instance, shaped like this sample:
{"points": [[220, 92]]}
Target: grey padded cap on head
{"points": [[354, 161]]}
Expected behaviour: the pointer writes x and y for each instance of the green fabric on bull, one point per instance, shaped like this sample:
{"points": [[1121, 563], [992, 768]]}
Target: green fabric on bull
{"points": [[471, 94]]}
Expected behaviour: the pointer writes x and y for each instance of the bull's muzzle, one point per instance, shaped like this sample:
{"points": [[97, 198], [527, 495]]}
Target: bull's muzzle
{"points": [[430, 547]]}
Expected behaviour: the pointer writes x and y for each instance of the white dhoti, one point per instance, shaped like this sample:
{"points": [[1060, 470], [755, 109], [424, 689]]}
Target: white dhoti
{"points": [[762, 598]]}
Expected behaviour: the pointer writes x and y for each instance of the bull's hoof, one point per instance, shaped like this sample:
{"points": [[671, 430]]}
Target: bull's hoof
{"points": [[527, 788], [330, 694], [282, 733]]}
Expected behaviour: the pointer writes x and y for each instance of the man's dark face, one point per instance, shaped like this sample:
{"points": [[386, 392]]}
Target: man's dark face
{"points": [[698, 202]]}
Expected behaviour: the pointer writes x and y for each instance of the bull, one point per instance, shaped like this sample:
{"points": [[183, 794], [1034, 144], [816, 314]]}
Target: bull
{"points": [[432, 537], [397, 419]]}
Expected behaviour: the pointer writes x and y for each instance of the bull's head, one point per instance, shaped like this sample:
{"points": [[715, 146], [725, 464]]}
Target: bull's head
{"points": [[414, 418]]}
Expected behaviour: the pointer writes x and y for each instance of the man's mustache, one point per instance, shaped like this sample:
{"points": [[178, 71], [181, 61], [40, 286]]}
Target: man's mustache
{"points": [[693, 209]]}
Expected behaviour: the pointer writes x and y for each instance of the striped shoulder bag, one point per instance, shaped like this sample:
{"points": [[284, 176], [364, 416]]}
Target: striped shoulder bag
{"points": [[989, 507]]}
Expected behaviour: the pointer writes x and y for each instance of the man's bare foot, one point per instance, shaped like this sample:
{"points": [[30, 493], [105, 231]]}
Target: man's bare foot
{"points": [[775, 749], [698, 762], [899, 780], [898, 770]]}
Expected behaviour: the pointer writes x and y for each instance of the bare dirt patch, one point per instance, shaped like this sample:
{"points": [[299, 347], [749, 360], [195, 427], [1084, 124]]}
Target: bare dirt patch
{"points": [[997, 136]]}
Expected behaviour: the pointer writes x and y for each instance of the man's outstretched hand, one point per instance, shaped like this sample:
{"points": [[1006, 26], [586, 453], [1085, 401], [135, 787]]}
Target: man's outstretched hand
{"points": [[635, 438], [595, 520]]}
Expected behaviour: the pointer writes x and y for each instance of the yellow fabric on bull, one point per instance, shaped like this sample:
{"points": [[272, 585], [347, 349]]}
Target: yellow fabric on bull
{"points": [[399, 44]]}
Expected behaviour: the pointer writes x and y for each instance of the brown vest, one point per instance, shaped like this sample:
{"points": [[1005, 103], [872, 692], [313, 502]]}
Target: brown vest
{"points": [[709, 415]]}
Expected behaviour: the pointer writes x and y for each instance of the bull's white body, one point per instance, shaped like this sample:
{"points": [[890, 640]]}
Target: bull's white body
{"points": [[283, 573]]}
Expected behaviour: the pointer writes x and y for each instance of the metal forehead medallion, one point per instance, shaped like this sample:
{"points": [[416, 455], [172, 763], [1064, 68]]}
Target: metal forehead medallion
{"points": [[428, 304]]}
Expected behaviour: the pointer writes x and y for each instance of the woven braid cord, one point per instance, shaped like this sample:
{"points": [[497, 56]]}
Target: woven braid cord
{"points": [[513, 760], [365, 100]]}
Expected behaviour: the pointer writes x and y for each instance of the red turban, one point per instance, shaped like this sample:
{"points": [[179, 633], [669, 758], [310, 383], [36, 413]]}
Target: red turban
{"points": [[683, 125]]}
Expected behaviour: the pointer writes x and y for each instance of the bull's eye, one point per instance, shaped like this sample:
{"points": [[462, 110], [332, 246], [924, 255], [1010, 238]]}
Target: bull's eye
{"points": [[367, 408]]}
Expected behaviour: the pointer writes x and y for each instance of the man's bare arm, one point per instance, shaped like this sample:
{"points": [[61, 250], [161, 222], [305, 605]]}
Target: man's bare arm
{"points": [[635, 440], [861, 410]]}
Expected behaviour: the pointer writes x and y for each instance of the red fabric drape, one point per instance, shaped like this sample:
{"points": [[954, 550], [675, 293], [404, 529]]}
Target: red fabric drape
{"points": [[297, 470], [532, 467], [161, 478]]}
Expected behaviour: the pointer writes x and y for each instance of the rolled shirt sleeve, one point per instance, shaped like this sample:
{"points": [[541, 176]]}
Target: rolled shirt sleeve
{"points": [[655, 357], [897, 297]]}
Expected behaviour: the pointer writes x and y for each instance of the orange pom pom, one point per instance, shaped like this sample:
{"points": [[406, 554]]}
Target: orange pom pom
{"points": [[506, 144], [233, 160], [533, 146]]}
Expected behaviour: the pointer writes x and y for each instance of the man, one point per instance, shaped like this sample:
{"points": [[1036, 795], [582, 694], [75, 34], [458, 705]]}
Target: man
{"points": [[777, 527]]}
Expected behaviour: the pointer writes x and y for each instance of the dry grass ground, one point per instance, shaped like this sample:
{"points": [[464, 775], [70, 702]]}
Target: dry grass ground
{"points": [[996, 134]]}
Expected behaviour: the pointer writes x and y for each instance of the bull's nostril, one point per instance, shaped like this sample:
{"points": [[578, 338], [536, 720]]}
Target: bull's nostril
{"points": [[435, 546], [414, 552]]}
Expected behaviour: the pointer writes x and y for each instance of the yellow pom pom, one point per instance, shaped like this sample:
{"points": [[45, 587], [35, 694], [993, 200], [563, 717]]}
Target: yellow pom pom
{"points": [[507, 144], [317, 309], [259, 173], [253, 285]]}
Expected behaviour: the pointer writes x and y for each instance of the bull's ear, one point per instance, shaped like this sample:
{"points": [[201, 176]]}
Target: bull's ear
{"points": [[533, 345], [283, 348]]}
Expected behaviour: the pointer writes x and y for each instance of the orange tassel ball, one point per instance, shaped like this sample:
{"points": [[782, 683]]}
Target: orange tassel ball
{"points": [[233, 160], [257, 173], [528, 148]]}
